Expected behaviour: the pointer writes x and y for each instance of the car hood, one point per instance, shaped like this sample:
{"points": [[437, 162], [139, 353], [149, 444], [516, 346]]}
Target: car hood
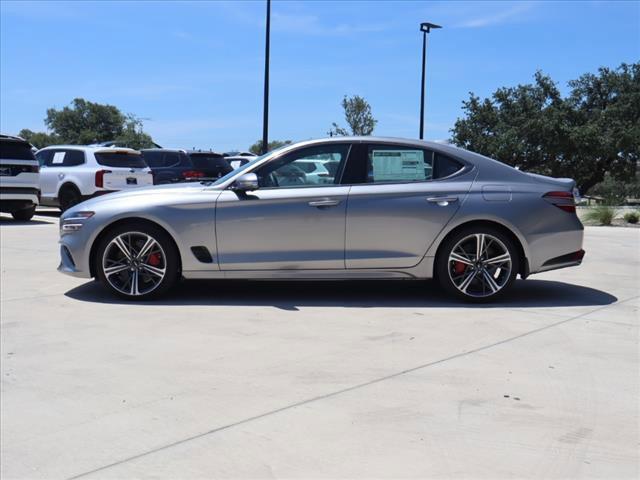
{"points": [[181, 189]]}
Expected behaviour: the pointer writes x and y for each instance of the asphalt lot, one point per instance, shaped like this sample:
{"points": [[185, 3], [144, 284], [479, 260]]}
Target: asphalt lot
{"points": [[366, 380]]}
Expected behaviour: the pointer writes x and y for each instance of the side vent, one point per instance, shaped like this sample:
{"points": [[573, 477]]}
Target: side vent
{"points": [[202, 254]]}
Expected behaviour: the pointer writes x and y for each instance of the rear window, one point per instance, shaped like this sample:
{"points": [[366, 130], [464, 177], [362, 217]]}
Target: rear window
{"points": [[156, 159], [208, 161], [120, 159], [15, 151]]}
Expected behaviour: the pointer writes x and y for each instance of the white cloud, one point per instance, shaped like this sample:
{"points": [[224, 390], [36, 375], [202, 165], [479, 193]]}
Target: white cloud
{"points": [[311, 25], [498, 17]]}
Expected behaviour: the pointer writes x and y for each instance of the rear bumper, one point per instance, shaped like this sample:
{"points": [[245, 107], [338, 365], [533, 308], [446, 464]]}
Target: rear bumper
{"points": [[563, 261], [18, 198]]}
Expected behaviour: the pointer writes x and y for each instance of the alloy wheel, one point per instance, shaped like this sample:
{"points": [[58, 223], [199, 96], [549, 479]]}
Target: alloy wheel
{"points": [[479, 265], [134, 263]]}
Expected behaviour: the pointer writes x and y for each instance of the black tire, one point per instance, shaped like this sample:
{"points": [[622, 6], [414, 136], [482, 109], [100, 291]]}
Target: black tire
{"points": [[167, 251], [25, 214], [68, 197], [446, 270]]}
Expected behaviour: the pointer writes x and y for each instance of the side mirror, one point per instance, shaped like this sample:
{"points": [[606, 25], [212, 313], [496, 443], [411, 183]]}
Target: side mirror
{"points": [[246, 183]]}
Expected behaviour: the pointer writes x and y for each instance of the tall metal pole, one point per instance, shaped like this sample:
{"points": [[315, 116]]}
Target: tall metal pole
{"points": [[424, 61], [425, 28], [265, 118]]}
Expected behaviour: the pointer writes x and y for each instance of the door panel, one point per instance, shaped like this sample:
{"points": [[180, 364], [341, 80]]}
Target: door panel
{"points": [[393, 225], [282, 228]]}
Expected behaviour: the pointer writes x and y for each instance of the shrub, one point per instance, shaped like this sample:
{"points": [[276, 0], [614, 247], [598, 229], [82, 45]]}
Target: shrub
{"points": [[600, 215], [632, 217], [615, 192]]}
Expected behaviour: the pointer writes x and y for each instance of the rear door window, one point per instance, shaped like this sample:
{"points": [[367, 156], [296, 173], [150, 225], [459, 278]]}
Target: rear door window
{"points": [[398, 164], [73, 158], [15, 150], [120, 159]]}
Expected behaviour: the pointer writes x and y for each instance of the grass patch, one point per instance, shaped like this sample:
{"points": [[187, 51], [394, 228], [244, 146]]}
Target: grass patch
{"points": [[600, 215], [632, 217]]}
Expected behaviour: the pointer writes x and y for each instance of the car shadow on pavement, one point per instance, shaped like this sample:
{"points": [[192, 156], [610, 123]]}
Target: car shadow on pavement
{"points": [[354, 294], [53, 212], [10, 222]]}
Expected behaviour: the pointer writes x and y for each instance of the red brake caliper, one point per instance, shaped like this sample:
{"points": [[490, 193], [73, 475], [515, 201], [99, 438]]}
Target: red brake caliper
{"points": [[154, 259], [459, 267]]}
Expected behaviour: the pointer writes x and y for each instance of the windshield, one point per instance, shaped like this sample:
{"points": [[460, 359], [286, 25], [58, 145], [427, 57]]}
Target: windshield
{"points": [[246, 166]]}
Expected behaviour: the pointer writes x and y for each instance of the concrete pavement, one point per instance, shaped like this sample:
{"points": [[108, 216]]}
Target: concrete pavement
{"points": [[323, 380]]}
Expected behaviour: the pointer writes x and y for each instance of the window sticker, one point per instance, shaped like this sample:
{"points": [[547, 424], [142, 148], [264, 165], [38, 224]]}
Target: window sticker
{"points": [[58, 158], [398, 165]]}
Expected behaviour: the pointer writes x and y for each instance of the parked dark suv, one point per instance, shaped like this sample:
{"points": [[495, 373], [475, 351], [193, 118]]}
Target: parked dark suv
{"points": [[170, 166]]}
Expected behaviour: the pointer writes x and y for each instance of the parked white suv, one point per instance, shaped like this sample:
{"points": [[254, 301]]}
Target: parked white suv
{"points": [[71, 174], [19, 181]]}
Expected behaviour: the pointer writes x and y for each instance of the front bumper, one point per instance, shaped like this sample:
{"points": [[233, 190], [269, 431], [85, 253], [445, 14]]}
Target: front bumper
{"points": [[75, 249]]}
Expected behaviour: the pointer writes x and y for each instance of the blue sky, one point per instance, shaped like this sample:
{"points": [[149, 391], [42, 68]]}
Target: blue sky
{"points": [[194, 70]]}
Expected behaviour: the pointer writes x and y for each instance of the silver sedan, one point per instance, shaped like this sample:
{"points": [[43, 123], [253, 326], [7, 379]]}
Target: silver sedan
{"points": [[333, 209]]}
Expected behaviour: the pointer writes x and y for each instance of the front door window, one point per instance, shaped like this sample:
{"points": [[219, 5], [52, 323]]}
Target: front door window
{"points": [[316, 166]]}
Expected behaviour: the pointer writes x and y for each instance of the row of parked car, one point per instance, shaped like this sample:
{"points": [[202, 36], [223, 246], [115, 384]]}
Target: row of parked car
{"points": [[64, 175]]}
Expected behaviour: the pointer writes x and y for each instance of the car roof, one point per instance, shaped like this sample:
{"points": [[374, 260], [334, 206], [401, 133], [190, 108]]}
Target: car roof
{"points": [[93, 148], [204, 152], [171, 150], [439, 147], [13, 138]]}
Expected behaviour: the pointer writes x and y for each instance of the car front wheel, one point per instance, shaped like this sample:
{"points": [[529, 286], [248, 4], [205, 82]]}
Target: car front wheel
{"points": [[137, 262], [477, 264]]}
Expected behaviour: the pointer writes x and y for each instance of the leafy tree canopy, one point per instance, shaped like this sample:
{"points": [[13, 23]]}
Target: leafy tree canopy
{"points": [[272, 145], [593, 131], [357, 113], [39, 139], [84, 122]]}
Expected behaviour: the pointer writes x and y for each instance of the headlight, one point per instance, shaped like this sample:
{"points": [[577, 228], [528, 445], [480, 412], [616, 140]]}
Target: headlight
{"points": [[74, 222]]}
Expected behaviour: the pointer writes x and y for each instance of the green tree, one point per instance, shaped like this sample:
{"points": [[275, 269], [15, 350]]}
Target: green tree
{"points": [[85, 122], [39, 139], [272, 145], [133, 136], [595, 130], [357, 113]]}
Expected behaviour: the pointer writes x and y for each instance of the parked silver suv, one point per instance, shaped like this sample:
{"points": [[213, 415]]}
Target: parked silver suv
{"points": [[71, 173], [19, 180]]}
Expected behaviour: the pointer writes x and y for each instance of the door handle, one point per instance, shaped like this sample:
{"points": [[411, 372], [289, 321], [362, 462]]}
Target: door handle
{"points": [[324, 203], [442, 201]]}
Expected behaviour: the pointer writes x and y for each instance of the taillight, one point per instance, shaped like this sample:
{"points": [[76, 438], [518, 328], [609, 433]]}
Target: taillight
{"points": [[563, 200], [100, 178], [189, 174]]}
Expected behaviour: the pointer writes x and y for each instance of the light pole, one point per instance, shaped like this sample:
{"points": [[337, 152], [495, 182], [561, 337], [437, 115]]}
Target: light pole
{"points": [[425, 28], [265, 118]]}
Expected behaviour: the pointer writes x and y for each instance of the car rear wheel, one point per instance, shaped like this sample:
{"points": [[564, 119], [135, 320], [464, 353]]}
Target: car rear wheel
{"points": [[24, 214], [478, 264], [68, 197], [137, 262]]}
